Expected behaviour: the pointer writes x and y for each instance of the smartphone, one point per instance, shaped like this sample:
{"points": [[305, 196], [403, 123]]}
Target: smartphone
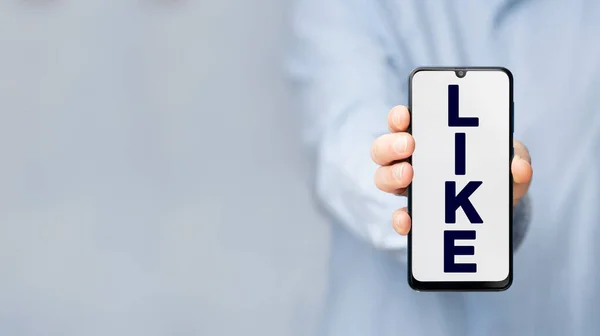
{"points": [[460, 199]]}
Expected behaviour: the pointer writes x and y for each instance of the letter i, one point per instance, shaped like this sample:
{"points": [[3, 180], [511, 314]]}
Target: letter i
{"points": [[460, 150]]}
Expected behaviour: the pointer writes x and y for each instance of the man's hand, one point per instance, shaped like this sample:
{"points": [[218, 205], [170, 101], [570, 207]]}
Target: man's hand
{"points": [[394, 177]]}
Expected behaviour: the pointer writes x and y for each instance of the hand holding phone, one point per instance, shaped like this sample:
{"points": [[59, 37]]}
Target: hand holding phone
{"points": [[442, 198]]}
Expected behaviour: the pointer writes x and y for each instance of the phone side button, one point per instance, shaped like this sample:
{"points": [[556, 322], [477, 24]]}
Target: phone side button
{"points": [[512, 117]]}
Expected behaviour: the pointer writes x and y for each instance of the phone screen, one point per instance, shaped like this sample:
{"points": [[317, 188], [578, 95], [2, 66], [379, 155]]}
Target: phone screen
{"points": [[460, 199]]}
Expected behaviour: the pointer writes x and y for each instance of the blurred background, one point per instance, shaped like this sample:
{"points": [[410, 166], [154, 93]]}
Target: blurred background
{"points": [[152, 180]]}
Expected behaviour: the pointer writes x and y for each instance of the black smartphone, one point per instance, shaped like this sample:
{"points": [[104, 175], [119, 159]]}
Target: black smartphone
{"points": [[460, 199]]}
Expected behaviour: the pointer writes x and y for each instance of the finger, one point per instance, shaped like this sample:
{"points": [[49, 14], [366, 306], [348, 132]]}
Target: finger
{"points": [[521, 170], [398, 119], [521, 151], [402, 192], [394, 179], [401, 221], [392, 147], [522, 175]]}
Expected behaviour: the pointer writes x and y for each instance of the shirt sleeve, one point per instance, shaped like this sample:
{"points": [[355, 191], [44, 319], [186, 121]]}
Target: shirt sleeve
{"points": [[346, 83], [342, 77], [521, 220]]}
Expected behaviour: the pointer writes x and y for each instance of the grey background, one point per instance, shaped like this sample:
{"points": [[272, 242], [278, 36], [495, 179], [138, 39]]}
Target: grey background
{"points": [[482, 94], [151, 179]]}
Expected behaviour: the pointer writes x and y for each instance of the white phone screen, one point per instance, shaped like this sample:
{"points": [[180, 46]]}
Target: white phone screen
{"points": [[461, 190]]}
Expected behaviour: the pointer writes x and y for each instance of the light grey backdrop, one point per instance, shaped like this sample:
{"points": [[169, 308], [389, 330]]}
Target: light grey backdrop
{"points": [[151, 179]]}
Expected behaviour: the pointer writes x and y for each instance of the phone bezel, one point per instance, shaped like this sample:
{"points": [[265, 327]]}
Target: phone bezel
{"points": [[465, 286]]}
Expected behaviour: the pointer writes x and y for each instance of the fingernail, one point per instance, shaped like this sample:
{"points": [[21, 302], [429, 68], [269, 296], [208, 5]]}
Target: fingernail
{"points": [[398, 171], [397, 222], [401, 144], [374, 151], [516, 157], [396, 118]]}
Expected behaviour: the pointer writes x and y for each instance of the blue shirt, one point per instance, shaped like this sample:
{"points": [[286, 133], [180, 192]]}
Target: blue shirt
{"points": [[350, 61]]}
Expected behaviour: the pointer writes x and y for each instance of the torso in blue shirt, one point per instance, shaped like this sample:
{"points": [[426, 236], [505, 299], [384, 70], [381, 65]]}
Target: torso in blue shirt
{"points": [[553, 50]]}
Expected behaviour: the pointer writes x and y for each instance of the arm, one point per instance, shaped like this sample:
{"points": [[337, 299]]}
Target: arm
{"points": [[346, 87]]}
